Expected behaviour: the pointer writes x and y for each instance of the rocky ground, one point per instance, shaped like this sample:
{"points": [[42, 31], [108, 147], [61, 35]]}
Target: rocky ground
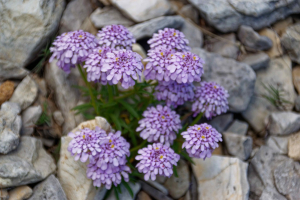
{"points": [[252, 48]]}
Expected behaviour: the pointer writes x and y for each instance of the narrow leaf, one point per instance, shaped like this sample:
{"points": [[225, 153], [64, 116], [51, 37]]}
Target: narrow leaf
{"points": [[128, 188], [175, 171], [129, 108], [116, 121]]}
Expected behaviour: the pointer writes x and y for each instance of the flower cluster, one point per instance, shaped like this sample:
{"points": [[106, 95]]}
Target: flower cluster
{"points": [[159, 124], [156, 159], [201, 140], [211, 99]]}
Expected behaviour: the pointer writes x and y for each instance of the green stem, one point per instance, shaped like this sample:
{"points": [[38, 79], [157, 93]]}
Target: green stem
{"points": [[138, 147], [197, 119], [93, 98], [110, 93], [125, 96]]}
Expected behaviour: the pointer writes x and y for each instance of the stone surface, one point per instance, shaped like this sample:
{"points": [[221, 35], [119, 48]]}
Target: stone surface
{"points": [[192, 33], [9, 71], [257, 60], [6, 91], [281, 26], [178, 186], [283, 123], [88, 26], [72, 174], [124, 192], [277, 74], [10, 126], [25, 27], [221, 178], [238, 78], [191, 12], [58, 117], [252, 40], [278, 144], [158, 186], [156, 194], [294, 146], [276, 49], [4, 194], [143, 196], [49, 189], [297, 103], [296, 78], [146, 29], [30, 116], [221, 122], [140, 10], [228, 15], [238, 127], [291, 41], [238, 145], [20, 193], [29, 163], [74, 15], [25, 93], [107, 16], [136, 47]]}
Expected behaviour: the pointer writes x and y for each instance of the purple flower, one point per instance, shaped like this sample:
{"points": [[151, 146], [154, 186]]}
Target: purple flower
{"points": [[116, 37], [122, 65], [186, 67], [86, 143], [156, 159], [169, 38], [201, 140], [173, 93], [72, 48], [159, 124], [211, 99]]}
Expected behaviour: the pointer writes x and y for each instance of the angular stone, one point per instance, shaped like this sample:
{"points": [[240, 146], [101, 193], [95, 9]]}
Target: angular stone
{"points": [[221, 178], [143, 196], [278, 144], [271, 193], [238, 145], [192, 33], [48, 189], [297, 103], [125, 195], [140, 10], [281, 26], [238, 78], [276, 49], [4, 194], [191, 12], [10, 71], [156, 194], [20, 193], [29, 163], [221, 122], [283, 123], [294, 146], [58, 117], [88, 26], [291, 41], [6, 91], [238, 127], [296, 78], [257, 60], [107, 16], [29, 118], [158, 186]]}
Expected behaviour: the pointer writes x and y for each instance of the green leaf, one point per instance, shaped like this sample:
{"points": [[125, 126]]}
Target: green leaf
{"points": [[186, 156], [129, 108], [84, 106], [119, 189], [116, 193], [116, 121], [175, 171], [128, 188], [107, 194], [131, 132]]}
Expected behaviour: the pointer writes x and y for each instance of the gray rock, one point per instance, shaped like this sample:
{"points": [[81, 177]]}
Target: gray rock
{"points": [[283, 123], [146, 29], [140, 10], [158, 186], [25, 93], [257, 60], [136, 187], [58, 117], [278, 144], [156, 194], [294, 147], [278, 74], [192, 33], [4, 194], [29, 163], [25, 27], [10, 126], [228, 15], [20, 193], [49, 189], [238, 127], [252, 40], [9, 71], [191, 12], [271, 193], [221, 122], [108, 15], [238, 78], [291, 42], [29, 118], [238, 145]]}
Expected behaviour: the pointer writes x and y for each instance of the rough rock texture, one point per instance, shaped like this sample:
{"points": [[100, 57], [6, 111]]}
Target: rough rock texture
{"points": [[88, 26], [58, 117], [158, 186], [20, 193], [294, 146], [238, 145], [141, 10], [291, 42], [228, 15], [276, 49], [221, 178], [297, 103], [238, 127], [281, 26], [143, 196], [107, 16], [283, 123], [72, 174], [12, 72], [10, 126], [6, 91], [221, 122], [191, 12], [257, 60], [278, 144], [25, 93], [156, 194], [238, 78], [29, 163], [25, 27], [252, 40], [125, 194], [192, 33], [277, 74], [4, 194], [29, 118], [296, 78]]}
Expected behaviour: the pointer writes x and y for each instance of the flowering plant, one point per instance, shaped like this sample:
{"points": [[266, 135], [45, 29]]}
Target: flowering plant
{"points": [[142, 103]]}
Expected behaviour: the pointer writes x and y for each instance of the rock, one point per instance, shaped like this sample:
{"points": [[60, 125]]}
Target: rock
{"points": [[192, 33], [238, 145], [88, 26], [278, 75], [30, 116], [140, 10], [297, 103], [252, 40], [281, 26], [140, 50], [291, 41], [161, 179], [105, 2], [49, 189], [41, 84], [283, 123], [146, 29], [276, 49], [29, 163], [10, 126], [278, 144], [270, 193], [294, 147], [178, 186], [221, 122], [72, 174], [221, 177], [20, 193], [238, 78], [158, 186], [143, 196], [25, 28], [191, 12], [156, 194], [238, 127], [74, 15], [4, 194], [107, 16], [25, 93], [257, 60], [58, 117], [125, 195], [296, 78], [6, 91], [228, 15]]}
